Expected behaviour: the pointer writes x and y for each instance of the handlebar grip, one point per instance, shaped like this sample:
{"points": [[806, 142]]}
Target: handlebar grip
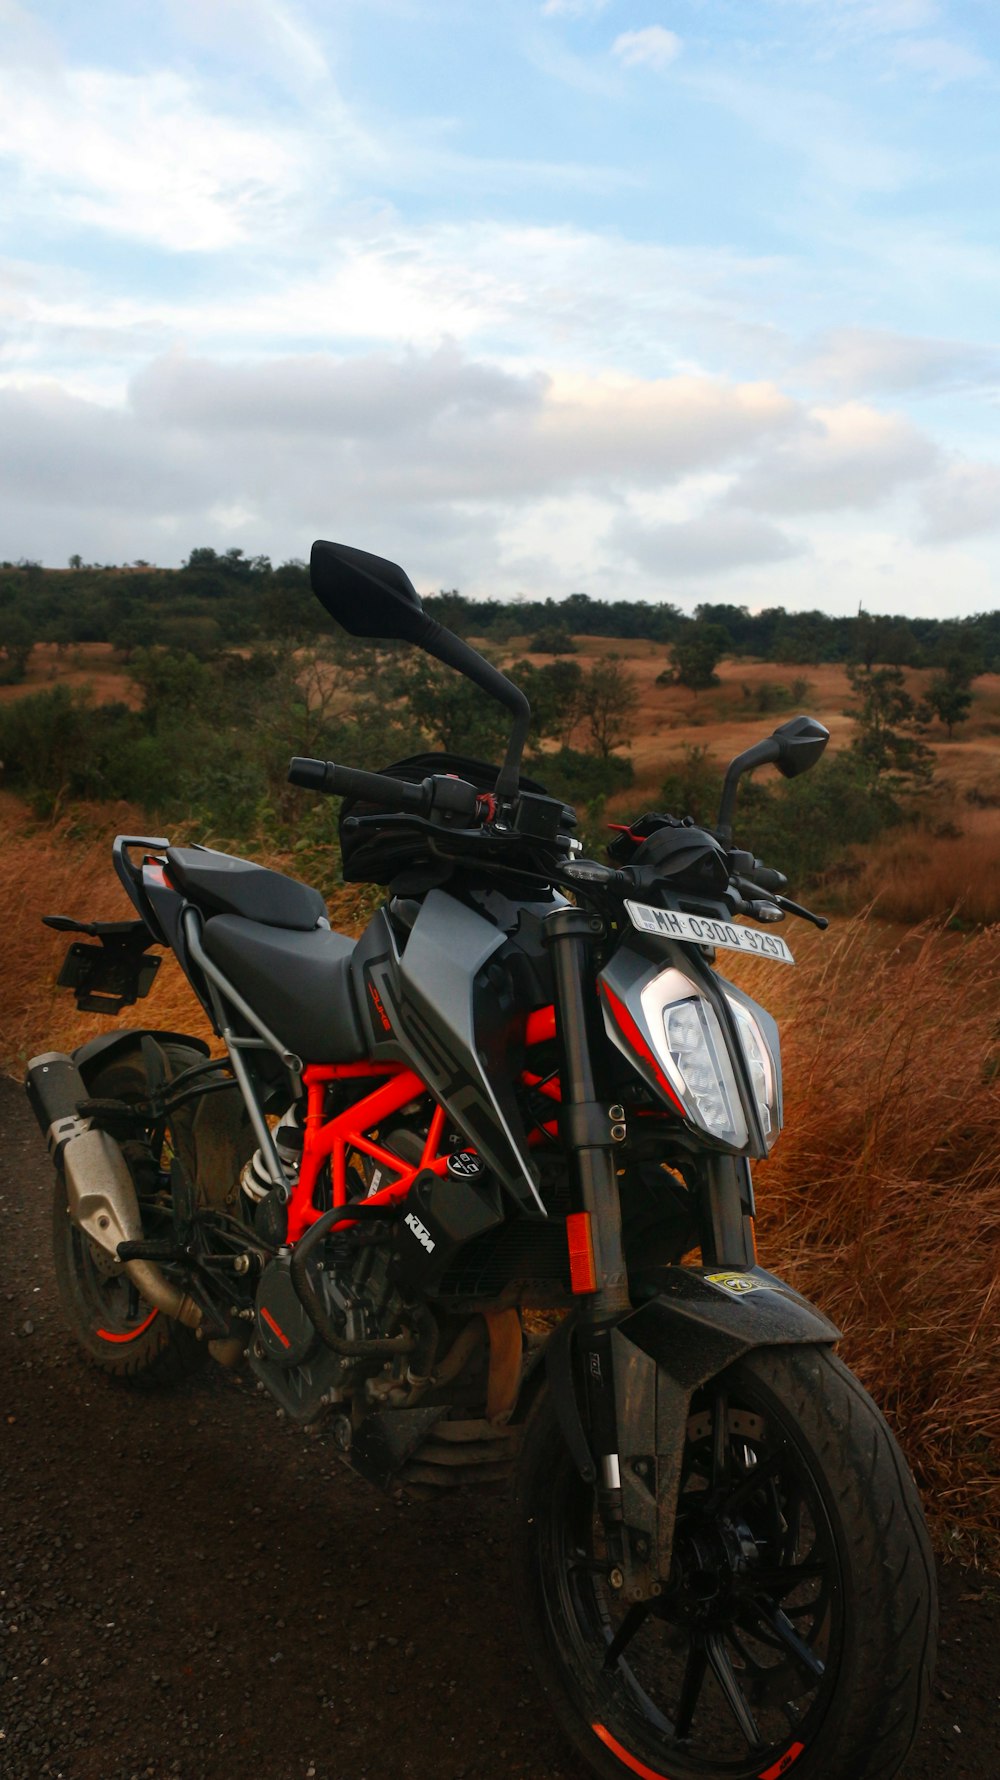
{"points": [[766, 879], [351, 781]]}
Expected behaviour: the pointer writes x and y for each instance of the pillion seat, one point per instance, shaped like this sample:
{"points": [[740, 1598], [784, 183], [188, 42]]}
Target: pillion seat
{"points": [[223, 885], [299, 983]]}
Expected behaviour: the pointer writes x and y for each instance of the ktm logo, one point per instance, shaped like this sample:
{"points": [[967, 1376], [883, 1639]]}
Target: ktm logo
{"points": [[420, 1231], [380, 1010]]}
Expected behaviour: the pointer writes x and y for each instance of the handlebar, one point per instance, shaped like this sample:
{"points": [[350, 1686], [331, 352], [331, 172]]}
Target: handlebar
{"points": [[440, 793], [352, 781]]}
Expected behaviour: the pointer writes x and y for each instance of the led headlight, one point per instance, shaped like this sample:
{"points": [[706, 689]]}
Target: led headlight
{"points": [[694, 1055], [761, 1067]]}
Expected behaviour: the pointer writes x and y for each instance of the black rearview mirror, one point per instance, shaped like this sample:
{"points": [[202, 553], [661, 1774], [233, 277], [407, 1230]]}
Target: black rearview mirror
{"points": [[801, 742], [373, 598], [793, 748], [369, 596]]}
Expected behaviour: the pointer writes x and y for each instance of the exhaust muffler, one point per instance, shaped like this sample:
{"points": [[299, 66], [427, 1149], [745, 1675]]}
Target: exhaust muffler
{"points": [[100, 1192]]}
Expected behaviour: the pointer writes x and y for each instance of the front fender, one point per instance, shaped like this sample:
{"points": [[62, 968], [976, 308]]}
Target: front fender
{"points": [[699, 1322], [696, 1322]]}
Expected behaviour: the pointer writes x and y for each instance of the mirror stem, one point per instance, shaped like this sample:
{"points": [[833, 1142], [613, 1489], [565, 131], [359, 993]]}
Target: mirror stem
{"points": [[759, 755], [445, 646]]}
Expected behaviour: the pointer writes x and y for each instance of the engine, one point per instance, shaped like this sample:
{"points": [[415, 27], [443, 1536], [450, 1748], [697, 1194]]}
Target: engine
{"points": [[286, 1352]]}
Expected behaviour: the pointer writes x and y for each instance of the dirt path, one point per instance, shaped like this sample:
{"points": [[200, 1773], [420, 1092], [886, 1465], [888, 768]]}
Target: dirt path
{"points": [[191, 1588]]}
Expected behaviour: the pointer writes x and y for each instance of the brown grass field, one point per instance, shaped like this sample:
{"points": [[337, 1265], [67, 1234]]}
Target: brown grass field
{"points": [[882, 1200]]}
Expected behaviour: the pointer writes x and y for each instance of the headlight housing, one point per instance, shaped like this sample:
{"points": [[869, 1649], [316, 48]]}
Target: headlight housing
{"points": [[692, 1049], [707, 1050], [761, 1067]]}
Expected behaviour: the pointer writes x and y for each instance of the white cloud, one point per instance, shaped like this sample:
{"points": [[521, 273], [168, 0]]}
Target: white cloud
{"points": [[845, 458], [940, 60], [712, 543], [265, 35], [962, 502], [863, 360], [139, 156], [652, 47], [443, 461]]}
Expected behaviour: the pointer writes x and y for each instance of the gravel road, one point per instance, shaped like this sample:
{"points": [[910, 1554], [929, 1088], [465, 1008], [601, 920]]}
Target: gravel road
{"points": [[190, 1587]]}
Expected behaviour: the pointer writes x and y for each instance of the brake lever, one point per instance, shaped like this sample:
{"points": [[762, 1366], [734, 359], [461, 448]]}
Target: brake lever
{"points": [[795, 908]]}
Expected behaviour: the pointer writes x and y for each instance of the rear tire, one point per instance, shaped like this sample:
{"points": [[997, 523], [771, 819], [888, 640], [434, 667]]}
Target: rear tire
{"points": [[123, 1335], [833, 1683]]}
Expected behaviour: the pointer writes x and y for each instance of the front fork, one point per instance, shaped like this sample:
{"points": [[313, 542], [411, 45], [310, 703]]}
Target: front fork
{"points": [[592, 1130]]}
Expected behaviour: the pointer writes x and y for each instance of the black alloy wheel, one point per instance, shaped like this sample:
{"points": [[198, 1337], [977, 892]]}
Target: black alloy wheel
{"points": [[746, 1665]]}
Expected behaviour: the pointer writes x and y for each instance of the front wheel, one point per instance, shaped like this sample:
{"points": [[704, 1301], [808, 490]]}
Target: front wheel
{"points": [[797, 1628]]}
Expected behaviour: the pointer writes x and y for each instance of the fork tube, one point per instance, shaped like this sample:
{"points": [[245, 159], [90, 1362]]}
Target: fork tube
{"points": [[585, 1122], [585, 1125]]}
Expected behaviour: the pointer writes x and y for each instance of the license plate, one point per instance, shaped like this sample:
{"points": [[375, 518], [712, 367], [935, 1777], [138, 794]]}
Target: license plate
{"points": [[704, 930]]}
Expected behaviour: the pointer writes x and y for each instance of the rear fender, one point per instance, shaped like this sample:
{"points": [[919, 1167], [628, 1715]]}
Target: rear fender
{"points": [[699, 1322], [101, 1050]]}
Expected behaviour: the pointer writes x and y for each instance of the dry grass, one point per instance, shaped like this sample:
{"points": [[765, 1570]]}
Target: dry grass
{"points": [[917, 876], [65, 869], [882, 1201], [96, 666]]}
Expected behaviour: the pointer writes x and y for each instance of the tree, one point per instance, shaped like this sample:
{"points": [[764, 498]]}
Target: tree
{"points": [[696, 652], [886, 716], [610, 699], [75, 561], [554, 639], [454, 713], [16, 640], [949, 695], [874, 638], [555, 693]]}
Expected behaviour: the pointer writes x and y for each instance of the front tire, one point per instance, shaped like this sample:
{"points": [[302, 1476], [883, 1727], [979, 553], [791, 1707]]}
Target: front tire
{"points": [[798, 1626]]}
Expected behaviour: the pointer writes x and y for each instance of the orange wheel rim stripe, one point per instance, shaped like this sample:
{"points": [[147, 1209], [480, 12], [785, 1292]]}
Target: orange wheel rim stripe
{"points": [[133, 1334], [631, 1761], [639, 1767], [781, 1767]]}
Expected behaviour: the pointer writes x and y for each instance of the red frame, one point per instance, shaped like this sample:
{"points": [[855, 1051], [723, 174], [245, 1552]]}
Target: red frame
{"points": [[325, 1139]]}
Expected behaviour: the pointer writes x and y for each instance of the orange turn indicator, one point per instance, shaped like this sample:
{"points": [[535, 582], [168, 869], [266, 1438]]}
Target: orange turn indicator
{"points": [[579, 1238]]}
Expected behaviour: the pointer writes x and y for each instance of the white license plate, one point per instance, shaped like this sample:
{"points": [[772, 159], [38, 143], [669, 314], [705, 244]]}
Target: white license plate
{"points": [[704, 930]]}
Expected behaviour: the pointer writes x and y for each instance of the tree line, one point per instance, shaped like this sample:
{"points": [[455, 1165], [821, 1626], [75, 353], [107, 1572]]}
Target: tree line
{"points": [[221, 598]]}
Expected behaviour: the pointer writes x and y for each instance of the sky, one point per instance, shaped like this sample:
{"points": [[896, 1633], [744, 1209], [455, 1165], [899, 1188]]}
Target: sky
{"points": [[689, 302]]}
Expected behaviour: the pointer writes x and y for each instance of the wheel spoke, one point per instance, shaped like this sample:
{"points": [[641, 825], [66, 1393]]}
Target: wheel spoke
{"points": [[636, 1616], [733, 1694], [748, 1486], [782, 1626], [694, 1675], [780, 1579]]}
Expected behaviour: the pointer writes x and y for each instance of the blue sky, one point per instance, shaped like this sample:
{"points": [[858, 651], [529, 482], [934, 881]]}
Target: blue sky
{"points": [[686, 302]]}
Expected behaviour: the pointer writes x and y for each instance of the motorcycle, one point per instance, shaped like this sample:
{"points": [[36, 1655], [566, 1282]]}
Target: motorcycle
{"points": [[476, 1191]]}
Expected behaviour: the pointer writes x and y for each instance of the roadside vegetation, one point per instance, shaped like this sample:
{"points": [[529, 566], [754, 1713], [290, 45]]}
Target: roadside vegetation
{"points": [[139, 699]]}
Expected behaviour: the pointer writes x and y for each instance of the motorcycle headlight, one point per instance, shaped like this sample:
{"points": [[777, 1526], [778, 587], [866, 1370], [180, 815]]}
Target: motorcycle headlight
{"points": [[695, 1056], [760, 1064]]}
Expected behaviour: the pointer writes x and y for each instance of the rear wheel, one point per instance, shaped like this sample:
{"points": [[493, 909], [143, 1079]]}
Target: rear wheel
{"points": [[797, 1627], [122, 1334]]}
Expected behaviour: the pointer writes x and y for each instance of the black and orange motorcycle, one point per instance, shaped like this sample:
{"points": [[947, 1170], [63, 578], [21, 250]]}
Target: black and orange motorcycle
{"points": [[475, 1190]]}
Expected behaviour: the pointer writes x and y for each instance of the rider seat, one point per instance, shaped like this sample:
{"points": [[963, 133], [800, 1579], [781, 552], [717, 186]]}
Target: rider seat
{"points": [[299, 983], [222, 885]]}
